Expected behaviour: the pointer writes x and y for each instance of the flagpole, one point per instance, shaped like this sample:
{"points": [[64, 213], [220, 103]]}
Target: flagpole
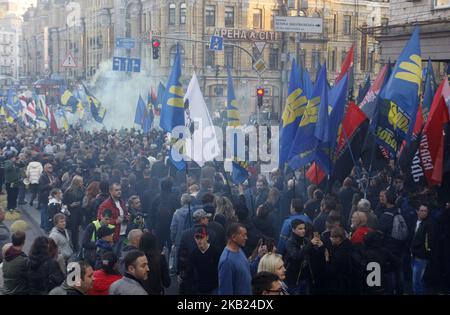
{"points": [[351, 153]]}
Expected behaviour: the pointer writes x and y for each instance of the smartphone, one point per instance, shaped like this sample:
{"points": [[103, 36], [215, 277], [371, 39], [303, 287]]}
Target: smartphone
{"points": [[316, 235]]}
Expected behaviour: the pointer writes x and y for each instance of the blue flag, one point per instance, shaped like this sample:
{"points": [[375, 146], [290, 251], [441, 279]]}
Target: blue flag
{"points": [[97, 110], [239, 170], [140, 112], [160, 96], [13, 104], [403, 88], [69, 102], [305, 143], [429, 89], [307, 83], [233, 119], [293, 111], [172, 112]]}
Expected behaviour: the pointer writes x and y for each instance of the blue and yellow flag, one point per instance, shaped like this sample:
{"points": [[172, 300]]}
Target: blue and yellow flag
{"points": [[98, 112], [402, 91], [430, 88], [232, 110], [70, 103], [172, 112], [337, 100], [305, 142], [239, 171], [293, 111], [13, 106]]}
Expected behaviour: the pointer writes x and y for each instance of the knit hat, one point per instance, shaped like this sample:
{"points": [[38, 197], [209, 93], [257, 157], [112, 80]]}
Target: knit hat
{"points": [[104, 231]]}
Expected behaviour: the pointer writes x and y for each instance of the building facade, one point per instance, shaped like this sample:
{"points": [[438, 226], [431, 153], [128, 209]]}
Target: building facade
{"points": [[433, 17], [248, 31]]}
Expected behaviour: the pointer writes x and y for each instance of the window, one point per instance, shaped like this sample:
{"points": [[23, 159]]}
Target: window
{"points": [[229, 52], [229, 16], [273, 58], [172, 8], [272, 20], [173, 53], [334, 24], [210, 57], [384, 25], [370, 61], [257, 18], [210, 15], [347, 24], [315, 60], [441, 4], [183, 14], [332, 60]]}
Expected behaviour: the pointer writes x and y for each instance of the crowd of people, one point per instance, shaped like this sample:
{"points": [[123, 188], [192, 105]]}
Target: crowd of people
{"points": [[111, 201]]}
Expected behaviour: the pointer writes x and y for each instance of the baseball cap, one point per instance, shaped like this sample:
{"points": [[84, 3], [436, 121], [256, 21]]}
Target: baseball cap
{"points": [[200, 232], [200, 214]]}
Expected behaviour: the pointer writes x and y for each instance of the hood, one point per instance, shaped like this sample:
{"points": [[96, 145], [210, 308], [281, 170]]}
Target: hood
{"points": [[53, 200], [13, 253], [34, 165]]}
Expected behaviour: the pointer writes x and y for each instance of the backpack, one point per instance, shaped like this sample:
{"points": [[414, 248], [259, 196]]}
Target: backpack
{"points": [[399, 227]]}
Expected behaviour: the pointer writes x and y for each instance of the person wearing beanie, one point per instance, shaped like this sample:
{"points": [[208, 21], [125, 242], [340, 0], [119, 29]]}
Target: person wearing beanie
{"points": [[107, 275], [104, 244]]}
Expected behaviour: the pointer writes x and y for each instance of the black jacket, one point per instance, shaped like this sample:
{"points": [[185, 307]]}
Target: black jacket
{"points": [[422, 240], [338, 270], [297, 259], [45, 187], [44, 274], [265, 226]]}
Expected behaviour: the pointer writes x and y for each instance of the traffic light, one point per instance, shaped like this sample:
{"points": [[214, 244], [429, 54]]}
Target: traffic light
{"points": [[156, 44], [260, 95]]}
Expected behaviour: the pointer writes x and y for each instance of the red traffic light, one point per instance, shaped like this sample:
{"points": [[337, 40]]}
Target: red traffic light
{"points": [[260, 92], [156, 43]]}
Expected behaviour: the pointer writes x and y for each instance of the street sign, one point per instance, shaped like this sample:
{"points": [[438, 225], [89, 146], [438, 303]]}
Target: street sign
{"points": [[260, 66], [126, 64], [69, 62], [127, 43], [216, 43], [298, 24], [260, 46]]}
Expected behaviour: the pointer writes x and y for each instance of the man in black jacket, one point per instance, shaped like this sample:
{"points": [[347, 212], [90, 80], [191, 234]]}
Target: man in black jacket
{"points": [[420, 248], [15, 267], [47, 182]]}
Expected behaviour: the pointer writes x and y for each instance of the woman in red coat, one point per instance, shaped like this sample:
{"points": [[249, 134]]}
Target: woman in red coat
{"points": [[103, 278], [359, 226]]}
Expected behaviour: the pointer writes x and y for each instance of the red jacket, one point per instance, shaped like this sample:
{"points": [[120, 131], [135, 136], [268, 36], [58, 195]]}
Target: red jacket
{"points": [[358, 235], [102, 282], [109, 204]]}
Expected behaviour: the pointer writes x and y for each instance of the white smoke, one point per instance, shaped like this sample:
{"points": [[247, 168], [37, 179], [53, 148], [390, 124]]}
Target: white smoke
{"points": [[119, 93]]}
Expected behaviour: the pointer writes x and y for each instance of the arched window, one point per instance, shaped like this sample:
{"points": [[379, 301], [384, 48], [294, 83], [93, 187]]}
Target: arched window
{"points": [[172, 8], [173, 52], [183, 13]]}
